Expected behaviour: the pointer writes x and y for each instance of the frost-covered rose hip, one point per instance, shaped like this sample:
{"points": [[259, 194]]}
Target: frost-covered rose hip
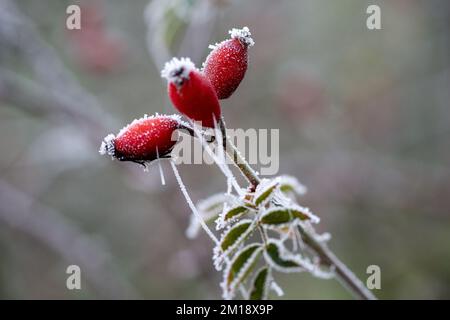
{"points": [[226, 64], [191, 92], [143, 139]]}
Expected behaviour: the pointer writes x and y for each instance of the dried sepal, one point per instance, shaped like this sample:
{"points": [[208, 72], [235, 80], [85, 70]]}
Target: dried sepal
{"points": [[178, 70], [261, 284], [243, 35], [240, 268]]}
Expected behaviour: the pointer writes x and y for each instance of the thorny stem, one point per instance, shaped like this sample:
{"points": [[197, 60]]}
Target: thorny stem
{"points": [[345, 276]]}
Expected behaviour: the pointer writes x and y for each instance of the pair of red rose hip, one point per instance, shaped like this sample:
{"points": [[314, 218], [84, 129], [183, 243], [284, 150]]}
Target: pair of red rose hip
{"points": [[195, 93]]}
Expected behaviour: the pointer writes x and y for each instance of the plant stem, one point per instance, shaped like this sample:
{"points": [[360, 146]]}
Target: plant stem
{"points": [[345, 276], [240, 162]]}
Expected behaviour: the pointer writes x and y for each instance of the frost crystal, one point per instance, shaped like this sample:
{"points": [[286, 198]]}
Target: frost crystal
{"points": [[228, 286], [107, 146], [177, 70], [161, 173], [191, 204], [275, 287], [243, 35]]}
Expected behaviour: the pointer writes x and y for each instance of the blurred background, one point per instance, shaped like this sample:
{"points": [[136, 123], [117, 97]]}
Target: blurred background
{"points": [[364, 123]]}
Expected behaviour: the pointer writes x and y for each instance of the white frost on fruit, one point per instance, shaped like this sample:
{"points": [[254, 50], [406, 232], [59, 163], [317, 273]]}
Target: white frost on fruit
{"points": [[177, 70], [243, 35], [107, 146]]}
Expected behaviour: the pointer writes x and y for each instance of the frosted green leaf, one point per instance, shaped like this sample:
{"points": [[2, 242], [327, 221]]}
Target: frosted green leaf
{"points": [[241, 266], [276, 256], [276, 216], [282, 215], [260, 285], [265, 191], [289, 184], [235, 212], [303, 213], [235, 235]]}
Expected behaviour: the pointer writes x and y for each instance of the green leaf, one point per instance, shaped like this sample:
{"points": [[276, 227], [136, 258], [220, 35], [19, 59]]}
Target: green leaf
{"points": [[235, 234], [289, 184], [276, 216], [264, 192], [260, 286], [273, 254], [235, 212], [286, 188], [280, 259], [303, 213], [242, 264], [283, 215]]}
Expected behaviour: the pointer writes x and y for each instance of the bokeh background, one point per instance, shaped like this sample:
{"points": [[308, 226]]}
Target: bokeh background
{"points": [[363, 116]]}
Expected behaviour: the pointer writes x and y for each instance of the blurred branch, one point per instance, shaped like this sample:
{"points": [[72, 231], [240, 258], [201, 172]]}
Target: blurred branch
{"points": [[19, 32], [55, 93], [57, 232], [38, 100]]}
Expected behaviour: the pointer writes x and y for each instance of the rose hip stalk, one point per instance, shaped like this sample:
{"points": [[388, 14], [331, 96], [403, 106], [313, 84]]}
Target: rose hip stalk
{"points": [[143, 140], [191, 92], [226, 64]]}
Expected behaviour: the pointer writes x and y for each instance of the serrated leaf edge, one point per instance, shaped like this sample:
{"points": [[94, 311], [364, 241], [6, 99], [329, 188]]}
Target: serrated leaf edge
{"points": [[265, 186], [240, 238], [266, 286], [230, 288]]}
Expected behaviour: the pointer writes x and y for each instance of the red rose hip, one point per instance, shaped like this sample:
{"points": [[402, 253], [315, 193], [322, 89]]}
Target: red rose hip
{"points": [[227, 63], [191, 92], [143, 140]]}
